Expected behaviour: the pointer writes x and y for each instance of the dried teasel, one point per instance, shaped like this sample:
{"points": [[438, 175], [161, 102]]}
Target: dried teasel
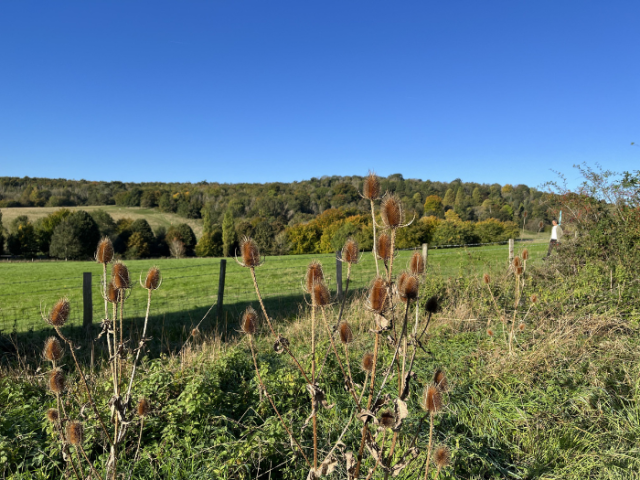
{"points": [[391, 211], [440, 380], [519, 270], [346, 335], [525, 254], [534, 298], [75, 433], [432, 305], [490, 332], [517, 262], [52, 415], [53, 349], [104, 253], [371, 187], [432, 400], [408, 287], [250, 253], [416, 265], [249, 321], [387, 419], [60, 313], [153, 279], [120, 276], [367, 362], [486, 278], [143, 407], [378, 299], [350, 252], [314, 275], [383, 247], [57, 381], [320, 294], [112, 293], [521, 327], [442, 457]]}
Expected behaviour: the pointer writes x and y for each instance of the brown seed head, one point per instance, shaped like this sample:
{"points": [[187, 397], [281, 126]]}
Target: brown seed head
{"points": [[517, 262], [490, 332], [442, 457], [346, 335], [60, 313], [104, 253], [250, 252], [534, 298], [52, 349], [249, 321], [143, 407], [521, 327], [378, 301], [416, 266], [52, 415], [350, 252], [387, 419], [440, 380], [383, 247], [120, 276], [391, 211], [371, 187], [314, 275], [486, 278], [57, 381], [75, 433], [432, 399], [367, 362], [153, 280], [525, 254], [321, 295], [432, 305], [519, 270], [408, 287], [112, 292]]}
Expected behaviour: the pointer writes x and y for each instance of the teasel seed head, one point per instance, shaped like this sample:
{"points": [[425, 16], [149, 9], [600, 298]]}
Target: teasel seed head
{"points": [[60, 313], [387, 419], [112, 292], [367, 362], [249, 321], [143, 408], [391, 211], [250, 252], [53, 415], [104, 253], [53, 351], [432, 399], [486, 279], [416, 266], [525, 254], [517, 262], [350, 252], [383, 247], [519, 270], [408, 287], [346, 335], [321, 295], [440, 380], [153, 280], [75, 433], [432, 305], [120, 276], [521, 327], [378, 301], [57, 381], [534, 298], [371, 187], [490, 332], [314, 275], [442, 457]]}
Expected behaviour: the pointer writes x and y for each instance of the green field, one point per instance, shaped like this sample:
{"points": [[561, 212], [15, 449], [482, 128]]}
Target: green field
{"points": [[190, 285]]}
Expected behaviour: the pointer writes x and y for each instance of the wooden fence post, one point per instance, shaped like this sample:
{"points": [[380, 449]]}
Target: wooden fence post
{"points": [[511, 242], [87, 302], [425, 254], [339, 273], [223, 269]]}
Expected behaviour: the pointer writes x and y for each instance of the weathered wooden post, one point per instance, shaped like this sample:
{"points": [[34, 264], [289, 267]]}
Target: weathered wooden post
{"points": [[87, 302], [223, 269], [511, 242], [339, 273], [425, 254]]}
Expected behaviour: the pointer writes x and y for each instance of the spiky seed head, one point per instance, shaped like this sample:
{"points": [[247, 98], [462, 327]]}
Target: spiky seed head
{"points": [[387, 419], [52, 349], [486, 278], [416, 266], [315, 275], [249, 321], [250, 252], [432, 305], [521, 327], [346, 334], [53, 415], [519, 270], [440, 380], [104, 253], [371, 187], [57, 381], [391, 211], [517, 262], [442, 457], [143, 408], [383, 247], [432, 399], [541, 224], [120, 276], [534, 298], [525, 254], [153, 280], [490, 332], [60, 312], [75, 433], [408, 287], [367, 362], [378, 301], [112, 292], [321, 295], [350, 252]]}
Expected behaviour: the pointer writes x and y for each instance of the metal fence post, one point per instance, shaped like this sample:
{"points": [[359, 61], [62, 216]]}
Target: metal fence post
{"points": [[223, 269], [511, 242], [87, 302], [339, 273], [425, 254]]}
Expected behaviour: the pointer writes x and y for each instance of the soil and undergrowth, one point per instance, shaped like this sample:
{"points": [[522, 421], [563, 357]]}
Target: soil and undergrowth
{"points": [[562, 403]]}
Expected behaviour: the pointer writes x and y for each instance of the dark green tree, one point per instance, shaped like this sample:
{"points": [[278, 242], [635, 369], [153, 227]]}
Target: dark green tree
{"points": [[65, 243]]}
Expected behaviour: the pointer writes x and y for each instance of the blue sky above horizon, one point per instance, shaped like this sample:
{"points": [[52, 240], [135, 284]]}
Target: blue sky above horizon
{"points": [[255, 91]]}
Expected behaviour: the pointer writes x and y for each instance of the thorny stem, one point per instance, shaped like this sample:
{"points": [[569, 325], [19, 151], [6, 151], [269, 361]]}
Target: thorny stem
{"points": [[515, 311], [135, 457], [384, 437], [79, 462], [140, 346], [494, 303], [426, 470], [313, 379], [93, 470], [373, 221], [58, 426], [344, 295]]}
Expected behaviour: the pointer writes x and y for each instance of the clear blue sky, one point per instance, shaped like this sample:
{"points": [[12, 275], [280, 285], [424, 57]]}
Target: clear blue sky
{"points": [[258, 91]]}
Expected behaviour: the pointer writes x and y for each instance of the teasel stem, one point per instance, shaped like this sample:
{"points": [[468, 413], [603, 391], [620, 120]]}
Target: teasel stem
{"points": [[121, 337], [364, 387], [84, 454], [344, 295], [515, 312], [426, 470], [135, 457], [494, 303], [384, 437], [84, 381], [313, 379], [264, 388], [79, 462], [264, 311], [375, 257], [140, 346]]}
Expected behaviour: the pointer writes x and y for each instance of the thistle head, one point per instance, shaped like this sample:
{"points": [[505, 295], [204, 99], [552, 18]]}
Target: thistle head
{"points": [[442, 457], [408, 287], [416, 265], [143, 407], [346, 335], [371, 187], [53, 350], [75, 433], [120, 276], [486, 279], [350, 252], [378, 301], [104, 253], [112, 292], [432, 400], [387, 419], [383, 247], [367, 362], [391, 211], [525, 254], [57, 381], [432, 305], [53, 415], [60, 312], [153, 280], [320, 295], [249, 321], [314, 275], [440, 380], [250, 252]]}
